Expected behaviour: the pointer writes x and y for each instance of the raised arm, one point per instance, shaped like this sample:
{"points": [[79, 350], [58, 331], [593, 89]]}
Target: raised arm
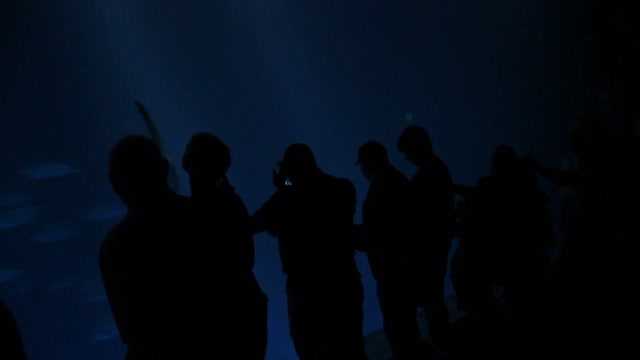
{"points": [[155, 135], [268, 217], [558, 177]]}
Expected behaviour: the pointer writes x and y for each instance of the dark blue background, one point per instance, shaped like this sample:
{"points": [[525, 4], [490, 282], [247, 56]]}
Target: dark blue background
{"points": [[260, 74]]}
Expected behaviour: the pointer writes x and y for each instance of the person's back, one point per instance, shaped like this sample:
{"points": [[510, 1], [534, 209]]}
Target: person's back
{"points": [[434, 218], [520, 223], [316, 239], [240, 306], [386, 215], [472, 265], [313, 220], [432, 188], [11, 346], [227, 219], [220, 210], [223, 219], [521, 230], [387, 238], [323, 285], [434, 225], [153, 266]]}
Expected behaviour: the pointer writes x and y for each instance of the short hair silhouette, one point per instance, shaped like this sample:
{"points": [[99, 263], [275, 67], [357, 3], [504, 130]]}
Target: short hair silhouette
{"points": [[504, 159], [137, 157], [298, 160], [136, 166], [413, 138], [372, 154], [206, 154]]}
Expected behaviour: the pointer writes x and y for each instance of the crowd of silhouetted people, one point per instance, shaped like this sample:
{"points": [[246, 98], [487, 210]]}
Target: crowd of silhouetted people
{"points": [[178, 271]]}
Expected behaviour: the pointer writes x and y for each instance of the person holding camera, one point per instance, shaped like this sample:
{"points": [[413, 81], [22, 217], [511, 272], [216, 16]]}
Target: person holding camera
{"points": [[311, 214]]}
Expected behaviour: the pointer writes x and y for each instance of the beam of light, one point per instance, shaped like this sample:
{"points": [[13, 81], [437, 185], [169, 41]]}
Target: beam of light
{"points": [[146, 75], [302, 100], [137, 65], [296, 82]]}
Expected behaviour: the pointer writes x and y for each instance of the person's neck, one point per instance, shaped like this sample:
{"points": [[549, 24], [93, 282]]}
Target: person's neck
{"points": [[150, 199], [307, 178], [425, 159], [378, 173], [205, 188]]}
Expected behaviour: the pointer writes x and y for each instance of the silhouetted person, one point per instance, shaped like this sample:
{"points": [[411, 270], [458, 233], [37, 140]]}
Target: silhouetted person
{"points": [[599, 264], [472, 274], [478, 333], [435, 218], [521, 225], [388, 240], [521, 231], [242, 306], [11, 346], [311, 214], [599, 182], [155, 271]]}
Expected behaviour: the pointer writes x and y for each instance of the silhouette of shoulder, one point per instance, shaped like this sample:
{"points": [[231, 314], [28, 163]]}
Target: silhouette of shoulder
{"points": [[177, 208], [345, 191], [388, 194], [432, 181], [11, 346], [345, 185], [115, 237], [237, 204], [485, 182], [434, 169], [394, 179]]}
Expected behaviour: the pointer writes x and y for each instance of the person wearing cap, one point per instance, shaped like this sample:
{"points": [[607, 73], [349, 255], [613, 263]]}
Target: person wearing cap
{"points": [[311, 214], [434, 214], [386, 237]]}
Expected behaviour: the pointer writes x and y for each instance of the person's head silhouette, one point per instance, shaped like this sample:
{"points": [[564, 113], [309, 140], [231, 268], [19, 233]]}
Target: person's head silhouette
{"points": [[415, 143], [373, 159], [206, 157], [504, 160], [137, 170], [298, 163]]}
